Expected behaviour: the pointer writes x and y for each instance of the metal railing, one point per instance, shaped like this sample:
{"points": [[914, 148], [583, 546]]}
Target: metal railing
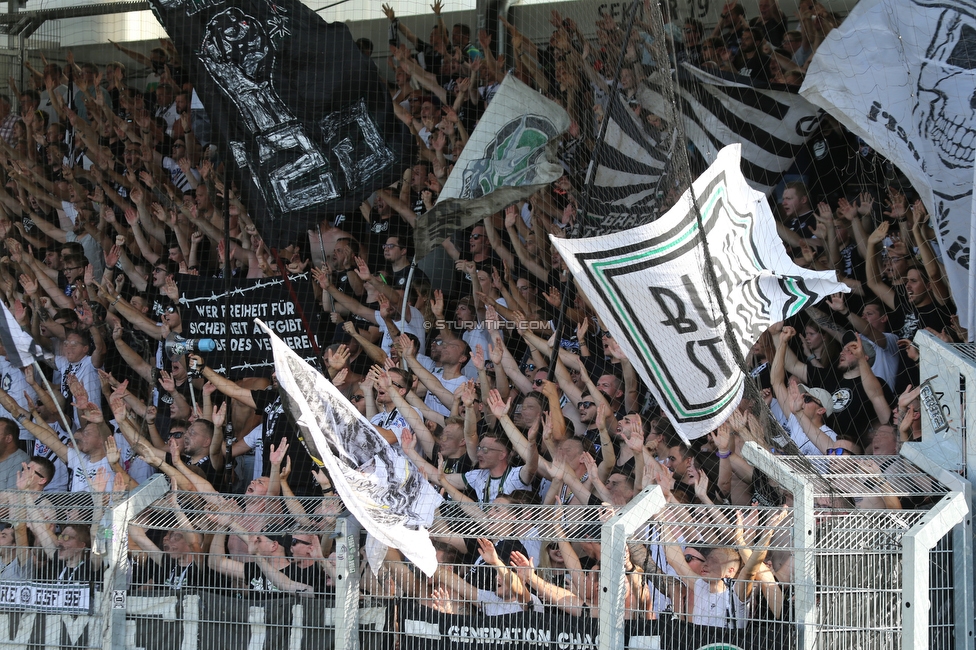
{"points": [[169, 578]]}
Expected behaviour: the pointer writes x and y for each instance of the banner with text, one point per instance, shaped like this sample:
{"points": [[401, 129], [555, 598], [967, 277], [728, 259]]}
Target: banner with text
{"points": [[203, 301], [684, 329], [900, 74], [427, 629]]}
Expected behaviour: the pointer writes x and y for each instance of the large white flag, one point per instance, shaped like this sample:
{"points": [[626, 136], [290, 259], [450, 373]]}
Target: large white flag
{"points": [[900, 74], [651, 287], [510, 155], [378, 484]]}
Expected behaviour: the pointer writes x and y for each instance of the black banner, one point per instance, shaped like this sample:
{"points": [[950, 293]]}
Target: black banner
{"points": [[427, 629], [293, 104], [270, 300]]}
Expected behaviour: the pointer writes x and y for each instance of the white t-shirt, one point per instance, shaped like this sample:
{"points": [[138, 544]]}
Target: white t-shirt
{"points": [[451, 385], [78, 483], [255, 440], [885, 364], [487, 489], [393, 420], [14, 383], [86, 374], [60, 481], [723, 609], [415, 327], [493, 605], [799, 436]]}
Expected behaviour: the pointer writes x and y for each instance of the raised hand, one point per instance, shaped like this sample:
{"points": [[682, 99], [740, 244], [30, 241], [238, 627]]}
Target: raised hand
{"points": [[219, 417], [278, 453], [497, 405], [112, 454], [166, 381], [879, 233]]}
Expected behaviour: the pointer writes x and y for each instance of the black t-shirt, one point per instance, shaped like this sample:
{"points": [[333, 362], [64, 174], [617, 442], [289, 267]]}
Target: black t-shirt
{"points": [[481, 575], [853, 411], [757, 67], [278, 426], [87, 571], [215, 475], [400, 277], [312, 576], [174, 576]]}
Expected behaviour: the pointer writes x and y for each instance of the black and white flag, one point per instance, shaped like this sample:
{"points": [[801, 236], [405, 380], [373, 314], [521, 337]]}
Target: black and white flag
{"points": [[770, 122], [631, 174], [379, 485], [16, 342], [510, 155], [294, 105], [649, 285], [901, 74]]}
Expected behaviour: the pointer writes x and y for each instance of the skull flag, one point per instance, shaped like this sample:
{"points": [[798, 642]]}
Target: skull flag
{"points": [[901, 74], [508, 157], [297, 110], [649, 286], [379, 485]]}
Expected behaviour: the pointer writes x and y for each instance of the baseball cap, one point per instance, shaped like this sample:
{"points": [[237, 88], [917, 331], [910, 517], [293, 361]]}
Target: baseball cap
{"points": [[826, 399]]}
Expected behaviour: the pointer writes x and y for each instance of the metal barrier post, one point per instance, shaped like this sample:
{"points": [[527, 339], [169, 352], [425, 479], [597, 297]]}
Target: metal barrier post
{"points": [[115, 587], [916, 544], [955, 448], [347, 584], [613, 544], [962, 546], [804, 540]]}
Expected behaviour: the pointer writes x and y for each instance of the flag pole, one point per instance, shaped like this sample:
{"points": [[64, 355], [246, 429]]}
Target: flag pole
{"points": [[405, 304], [560, 323], [67, 425]]}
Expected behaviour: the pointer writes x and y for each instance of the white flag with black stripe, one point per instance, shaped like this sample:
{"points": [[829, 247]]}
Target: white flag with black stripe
{"points": [[771, 123], [683, 332]]}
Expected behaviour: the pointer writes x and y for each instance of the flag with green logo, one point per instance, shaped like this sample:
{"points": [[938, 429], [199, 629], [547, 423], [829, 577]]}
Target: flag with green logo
{"points": [[686, 297], [509, 156]]}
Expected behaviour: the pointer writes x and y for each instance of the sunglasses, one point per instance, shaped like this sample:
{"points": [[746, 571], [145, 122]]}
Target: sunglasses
{"points": [[177, 435], [810, 399], [528, 367], [296, 542], [606, 335], [689, 558], [838, 451], [396, 384], [538, 382], [169, 310], [584, 405], [357, 398], [475, 235]]}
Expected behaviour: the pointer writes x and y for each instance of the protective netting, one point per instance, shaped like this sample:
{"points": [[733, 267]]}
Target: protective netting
{"points": [[515, 238]]}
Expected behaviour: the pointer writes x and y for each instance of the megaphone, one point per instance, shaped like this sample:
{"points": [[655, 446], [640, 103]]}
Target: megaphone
{"points": [[176, 346]]}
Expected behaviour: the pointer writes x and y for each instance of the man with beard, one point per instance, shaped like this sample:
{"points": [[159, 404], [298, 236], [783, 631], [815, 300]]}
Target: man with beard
{"points": [[750, 61], [859, 397]]}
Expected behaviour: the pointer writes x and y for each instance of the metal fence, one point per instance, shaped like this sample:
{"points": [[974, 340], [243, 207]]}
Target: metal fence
{"points": [[184, 570]]}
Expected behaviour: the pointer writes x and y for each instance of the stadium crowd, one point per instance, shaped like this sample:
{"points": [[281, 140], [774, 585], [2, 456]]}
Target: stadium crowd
{"points": [[99, 230]]}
